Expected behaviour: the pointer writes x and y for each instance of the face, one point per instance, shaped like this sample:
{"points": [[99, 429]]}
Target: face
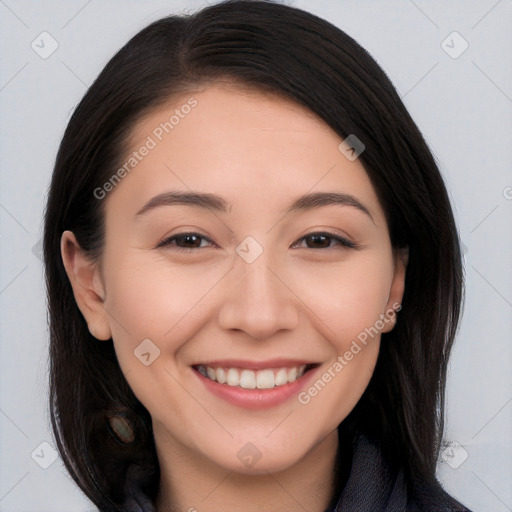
{"points": [[246, 320]]}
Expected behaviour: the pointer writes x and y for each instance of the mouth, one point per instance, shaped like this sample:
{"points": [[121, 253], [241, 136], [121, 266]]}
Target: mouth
{"points": [[255, 384], [267, 378]]}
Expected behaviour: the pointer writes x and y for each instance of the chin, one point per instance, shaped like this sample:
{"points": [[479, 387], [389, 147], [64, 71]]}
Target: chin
{"points": [[259, 456]]}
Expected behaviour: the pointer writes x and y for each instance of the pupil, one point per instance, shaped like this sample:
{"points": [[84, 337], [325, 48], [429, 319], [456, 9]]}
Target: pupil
{"points": [[190, 239], [318, 239]]}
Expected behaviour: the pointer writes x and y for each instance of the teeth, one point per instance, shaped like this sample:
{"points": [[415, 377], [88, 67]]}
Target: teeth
{"points": [[265, 379], [220, 375], [233, 378], [281, 377], [249, 379]]}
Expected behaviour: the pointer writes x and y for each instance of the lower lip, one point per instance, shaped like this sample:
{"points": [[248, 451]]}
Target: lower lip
{"points": [[256, 398]]}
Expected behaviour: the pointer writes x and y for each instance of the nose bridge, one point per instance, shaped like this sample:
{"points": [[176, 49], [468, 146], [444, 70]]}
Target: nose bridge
{"points": [[256, 279], [256, 301]]}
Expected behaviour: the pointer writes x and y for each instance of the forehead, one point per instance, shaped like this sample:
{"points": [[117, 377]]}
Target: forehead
{"points": [[227, 106], [230, 140]]}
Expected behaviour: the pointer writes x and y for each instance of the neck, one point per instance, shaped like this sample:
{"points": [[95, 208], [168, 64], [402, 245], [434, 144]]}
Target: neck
{"points": [[194, 484]]}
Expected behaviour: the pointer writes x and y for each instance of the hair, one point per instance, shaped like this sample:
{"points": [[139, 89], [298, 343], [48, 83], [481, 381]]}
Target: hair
{"points": [[296, 55]]}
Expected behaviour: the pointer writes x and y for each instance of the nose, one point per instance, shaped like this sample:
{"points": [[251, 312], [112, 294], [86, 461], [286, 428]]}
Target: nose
{"points": [[257, 299]]}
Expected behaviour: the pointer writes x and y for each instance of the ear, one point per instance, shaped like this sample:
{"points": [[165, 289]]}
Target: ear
{"points": [[397, 288], [88, 289]]}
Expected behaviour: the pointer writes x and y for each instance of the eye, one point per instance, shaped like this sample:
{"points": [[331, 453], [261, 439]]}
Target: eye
{"points": [[324, 240], [186, 241], [320, 240]]}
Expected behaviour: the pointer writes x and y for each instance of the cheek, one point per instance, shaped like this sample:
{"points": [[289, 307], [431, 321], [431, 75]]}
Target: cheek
{"points": [[347, 299], [150, 299], [347, 305]]}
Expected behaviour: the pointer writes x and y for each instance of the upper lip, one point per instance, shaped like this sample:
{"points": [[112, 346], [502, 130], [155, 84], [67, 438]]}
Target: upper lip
{"points": [[255, 365]]}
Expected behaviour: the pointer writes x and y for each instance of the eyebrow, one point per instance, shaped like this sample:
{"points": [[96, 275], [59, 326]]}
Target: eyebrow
{"points": [[219, 204]]}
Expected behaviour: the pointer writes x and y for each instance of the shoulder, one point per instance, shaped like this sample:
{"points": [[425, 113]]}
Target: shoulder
{"points": [[431, 497], [377, 485]]}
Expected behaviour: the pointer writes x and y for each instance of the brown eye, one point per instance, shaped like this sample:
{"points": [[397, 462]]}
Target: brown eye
{"points": [[185, 241], [325, 241], [318, 241]]}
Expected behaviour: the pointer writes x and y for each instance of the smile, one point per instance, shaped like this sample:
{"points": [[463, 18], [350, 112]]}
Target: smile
{"points": [[267, 378], [255, 384]]}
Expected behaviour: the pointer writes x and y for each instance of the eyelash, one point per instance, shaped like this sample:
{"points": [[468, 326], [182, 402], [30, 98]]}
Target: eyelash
{"points": [[341, 240]]}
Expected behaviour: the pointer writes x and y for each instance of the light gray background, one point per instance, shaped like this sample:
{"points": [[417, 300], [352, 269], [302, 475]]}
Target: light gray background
{"points": [[463, 107]]}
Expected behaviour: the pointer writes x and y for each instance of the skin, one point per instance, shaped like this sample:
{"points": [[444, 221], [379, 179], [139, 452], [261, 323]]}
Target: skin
{"points": [[259, 152]]}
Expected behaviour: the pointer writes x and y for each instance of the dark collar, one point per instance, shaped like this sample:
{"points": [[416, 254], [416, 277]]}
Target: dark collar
{"points": [[370, 486]]}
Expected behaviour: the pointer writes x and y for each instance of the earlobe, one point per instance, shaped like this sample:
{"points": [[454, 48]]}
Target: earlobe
{"points": [[397, 289], [88, 289]]}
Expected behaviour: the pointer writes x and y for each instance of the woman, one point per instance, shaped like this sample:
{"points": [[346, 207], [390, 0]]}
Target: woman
{"points": [[254, 275]]}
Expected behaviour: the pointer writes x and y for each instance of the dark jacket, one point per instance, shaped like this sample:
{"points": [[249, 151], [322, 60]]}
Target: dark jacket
{"points": [[369, 486]]}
